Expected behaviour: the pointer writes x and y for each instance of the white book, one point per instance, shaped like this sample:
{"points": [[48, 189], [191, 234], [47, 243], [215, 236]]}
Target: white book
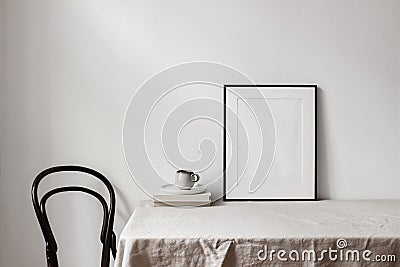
{"points": [[181, 203], [203, 197]]}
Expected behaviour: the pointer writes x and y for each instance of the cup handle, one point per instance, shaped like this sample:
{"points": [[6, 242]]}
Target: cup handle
{"points": [[195, 176]]}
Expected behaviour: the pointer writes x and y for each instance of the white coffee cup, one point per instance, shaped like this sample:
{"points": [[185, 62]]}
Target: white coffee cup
{"points": [[186, 179]]}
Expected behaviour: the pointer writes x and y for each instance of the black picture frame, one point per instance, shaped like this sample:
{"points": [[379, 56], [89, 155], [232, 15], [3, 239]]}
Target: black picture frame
{"points": [[315, 197]]}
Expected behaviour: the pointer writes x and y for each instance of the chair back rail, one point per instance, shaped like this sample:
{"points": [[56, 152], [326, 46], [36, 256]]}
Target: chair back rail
{"points": [[107, 235]]}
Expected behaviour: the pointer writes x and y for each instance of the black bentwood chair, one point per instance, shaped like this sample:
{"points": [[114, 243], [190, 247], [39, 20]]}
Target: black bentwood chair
{"points": [[107, 236]]}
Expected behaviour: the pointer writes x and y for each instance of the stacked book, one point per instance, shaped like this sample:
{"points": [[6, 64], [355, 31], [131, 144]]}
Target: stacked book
{"points": [[203, 199]]}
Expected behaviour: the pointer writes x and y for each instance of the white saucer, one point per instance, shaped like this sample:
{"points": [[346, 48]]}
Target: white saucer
{"points": [[173, 189]]}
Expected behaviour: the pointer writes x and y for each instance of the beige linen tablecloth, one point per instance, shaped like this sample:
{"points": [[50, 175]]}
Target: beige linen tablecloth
{"points": [[256, 233]]}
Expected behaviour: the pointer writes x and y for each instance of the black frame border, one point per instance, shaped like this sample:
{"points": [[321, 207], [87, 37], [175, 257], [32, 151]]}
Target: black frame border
{"points": [[315, 86]]}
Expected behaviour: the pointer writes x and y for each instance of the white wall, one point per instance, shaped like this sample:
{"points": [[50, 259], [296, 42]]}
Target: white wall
{"points": [[69, 68]]}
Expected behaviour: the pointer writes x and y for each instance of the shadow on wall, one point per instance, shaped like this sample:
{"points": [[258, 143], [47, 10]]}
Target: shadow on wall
{"points": [[24, 140], [323, 186], [123, 208]]}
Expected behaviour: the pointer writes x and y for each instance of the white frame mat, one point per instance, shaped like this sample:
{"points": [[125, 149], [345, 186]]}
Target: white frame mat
{"points": [[270, 142]]}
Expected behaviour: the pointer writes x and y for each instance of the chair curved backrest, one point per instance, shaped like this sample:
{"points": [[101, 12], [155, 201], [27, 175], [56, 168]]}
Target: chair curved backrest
{"points": [[107, 235]]}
